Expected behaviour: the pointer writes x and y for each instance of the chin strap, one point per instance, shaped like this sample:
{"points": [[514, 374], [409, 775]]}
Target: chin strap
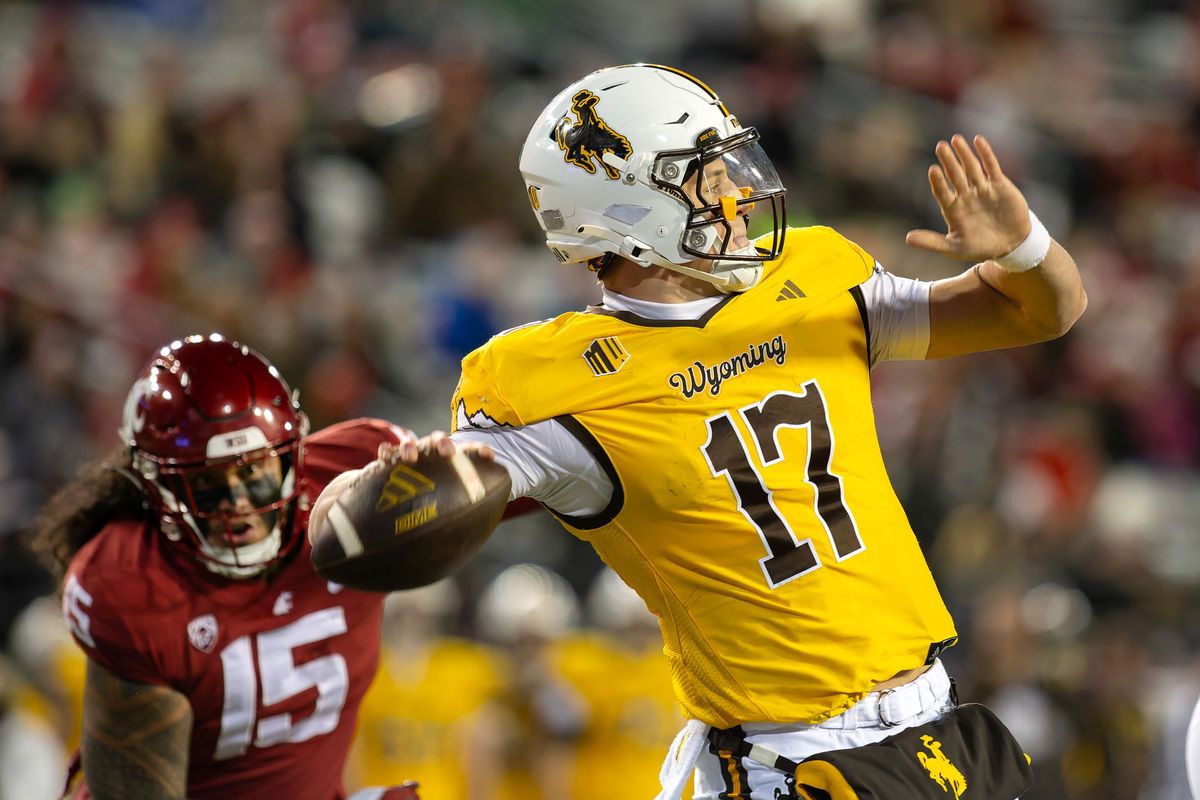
{"points": [[254, 558], [232, 562], [728, 276], [731, 280]]}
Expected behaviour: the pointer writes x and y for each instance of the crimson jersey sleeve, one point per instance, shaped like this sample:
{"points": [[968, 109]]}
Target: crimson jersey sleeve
{"points": [[114, 598], [338, 448]]}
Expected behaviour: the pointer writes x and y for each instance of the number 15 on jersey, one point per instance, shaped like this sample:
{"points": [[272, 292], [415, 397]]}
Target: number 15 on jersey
{"points": [[727, 454]]}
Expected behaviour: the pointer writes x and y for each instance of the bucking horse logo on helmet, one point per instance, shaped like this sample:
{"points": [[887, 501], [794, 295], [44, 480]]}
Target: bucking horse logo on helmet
{"points": [[941, 769], [589, 137]]}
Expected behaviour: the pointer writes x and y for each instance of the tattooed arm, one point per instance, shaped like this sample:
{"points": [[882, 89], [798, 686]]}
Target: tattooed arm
{"points": [[135, 738]]}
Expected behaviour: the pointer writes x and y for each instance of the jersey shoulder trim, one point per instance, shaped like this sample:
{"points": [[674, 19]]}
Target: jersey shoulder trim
{"points": [[507, 359], [593, 446], [857, 293]]}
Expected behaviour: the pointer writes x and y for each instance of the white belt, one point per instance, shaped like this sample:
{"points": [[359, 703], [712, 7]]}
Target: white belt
{"points": [[888, 708]]}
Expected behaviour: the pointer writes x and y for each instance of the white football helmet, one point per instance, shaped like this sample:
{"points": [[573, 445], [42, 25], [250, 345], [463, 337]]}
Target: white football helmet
{"points": [[420, 614], [646, 162], [527, 601], [613, 605]]}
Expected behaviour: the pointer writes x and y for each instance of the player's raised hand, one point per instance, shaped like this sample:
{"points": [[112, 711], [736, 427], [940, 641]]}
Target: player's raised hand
{"points": [[410, 448], [406, 450], [986, 214]]}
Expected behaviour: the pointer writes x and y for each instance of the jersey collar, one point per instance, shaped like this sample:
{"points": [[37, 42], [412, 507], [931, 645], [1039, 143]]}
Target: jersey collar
{"points": [[694, 313]]}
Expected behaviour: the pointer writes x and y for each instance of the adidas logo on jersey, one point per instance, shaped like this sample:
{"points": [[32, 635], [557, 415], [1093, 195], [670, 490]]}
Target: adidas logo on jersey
{"points": [[790, 291], [605, 356]]}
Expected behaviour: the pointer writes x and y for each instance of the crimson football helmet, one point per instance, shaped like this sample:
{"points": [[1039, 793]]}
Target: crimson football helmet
{"points": [[205, 404]]}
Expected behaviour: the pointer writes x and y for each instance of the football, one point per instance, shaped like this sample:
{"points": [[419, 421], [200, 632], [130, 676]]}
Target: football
{"points": [[400, 526]]}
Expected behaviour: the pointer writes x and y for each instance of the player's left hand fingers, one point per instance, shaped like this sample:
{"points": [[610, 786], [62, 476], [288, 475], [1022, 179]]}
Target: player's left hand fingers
{"points": [[967, 158], [437, 442], [391, 451], [950, 163], [397, 451], [477, 449], [929, 240], [988, 156], [410, 449], [943, 193]]}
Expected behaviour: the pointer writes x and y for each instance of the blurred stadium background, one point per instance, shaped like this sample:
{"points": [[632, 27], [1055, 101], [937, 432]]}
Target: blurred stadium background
{"points": [[335, 183]]}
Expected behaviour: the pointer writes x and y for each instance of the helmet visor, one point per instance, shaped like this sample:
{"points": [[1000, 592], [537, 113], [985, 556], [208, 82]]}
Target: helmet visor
{"points": [[724, 183], [240, 511], [237, 502]]}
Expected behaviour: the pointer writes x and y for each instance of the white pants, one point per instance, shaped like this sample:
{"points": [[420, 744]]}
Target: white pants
{"points": [[875, 717]]}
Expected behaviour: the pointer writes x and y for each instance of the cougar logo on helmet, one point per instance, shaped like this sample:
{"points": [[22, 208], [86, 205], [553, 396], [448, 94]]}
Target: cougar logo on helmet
{"points": [[134, 418], [590, 137]]}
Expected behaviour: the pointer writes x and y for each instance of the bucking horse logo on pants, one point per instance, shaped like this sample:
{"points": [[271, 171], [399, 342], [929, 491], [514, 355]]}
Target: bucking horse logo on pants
{"points": [[589, 137], [941, 769]]}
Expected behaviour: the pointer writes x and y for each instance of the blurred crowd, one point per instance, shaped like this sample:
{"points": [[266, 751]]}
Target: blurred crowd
{"points": [[335, 183]]}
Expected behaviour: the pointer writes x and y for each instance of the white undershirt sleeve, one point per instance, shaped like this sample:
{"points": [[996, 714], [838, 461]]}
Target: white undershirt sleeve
{"points": [[897, 317], [547, 463]]}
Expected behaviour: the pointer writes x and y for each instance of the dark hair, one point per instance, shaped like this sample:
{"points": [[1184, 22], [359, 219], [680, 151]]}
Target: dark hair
{"points": [[102, 491], [601, 264]]}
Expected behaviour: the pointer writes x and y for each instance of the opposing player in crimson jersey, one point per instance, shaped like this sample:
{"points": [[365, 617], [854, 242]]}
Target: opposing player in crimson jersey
{"points": [[219, 664]]}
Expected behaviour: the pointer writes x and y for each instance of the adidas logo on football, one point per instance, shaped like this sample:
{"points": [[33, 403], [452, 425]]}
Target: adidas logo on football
{"points": [[790, 291]]}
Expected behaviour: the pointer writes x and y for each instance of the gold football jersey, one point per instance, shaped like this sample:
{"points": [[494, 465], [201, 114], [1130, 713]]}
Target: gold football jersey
{"points": [[416, 721], [632, 716], [751, 508]]}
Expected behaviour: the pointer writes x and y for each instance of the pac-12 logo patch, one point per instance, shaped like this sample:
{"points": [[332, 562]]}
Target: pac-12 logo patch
{"points": [[202, 633], [605, 356], [589, 137]]}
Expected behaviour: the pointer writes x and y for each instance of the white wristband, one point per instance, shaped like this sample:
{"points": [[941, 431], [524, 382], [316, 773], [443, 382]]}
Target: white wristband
{"points": [[1029, 253]]}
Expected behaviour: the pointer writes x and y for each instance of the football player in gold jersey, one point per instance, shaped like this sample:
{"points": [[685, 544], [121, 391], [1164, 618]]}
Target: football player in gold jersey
{"points": [[708, 426], [432, 708], [617, 667], [527, 610]]}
